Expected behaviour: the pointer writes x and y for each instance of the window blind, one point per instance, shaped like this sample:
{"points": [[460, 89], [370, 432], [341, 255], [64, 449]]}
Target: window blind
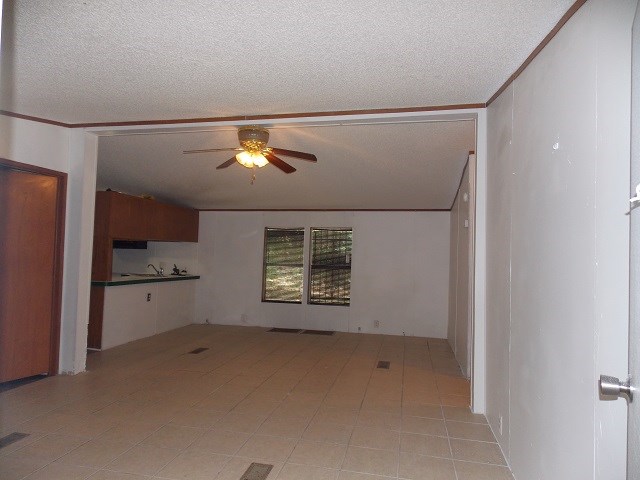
{"points": [[330, 269], [283, 270]]}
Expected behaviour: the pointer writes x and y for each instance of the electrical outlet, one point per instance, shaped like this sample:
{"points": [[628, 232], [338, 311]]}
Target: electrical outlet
{"points": [[148, 297], [376, 324]]}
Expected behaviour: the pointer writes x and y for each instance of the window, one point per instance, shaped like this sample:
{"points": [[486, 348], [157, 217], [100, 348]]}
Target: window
{"points": [[283, 270], [330, 270]]}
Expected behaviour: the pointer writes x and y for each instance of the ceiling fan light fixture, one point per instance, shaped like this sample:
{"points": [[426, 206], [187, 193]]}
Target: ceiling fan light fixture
{"points": [[250, 160], [253, 139]]}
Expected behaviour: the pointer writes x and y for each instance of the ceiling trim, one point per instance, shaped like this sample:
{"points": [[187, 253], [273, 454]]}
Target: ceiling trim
{"points": [[7, 113], [378, 111], [324, 210], [249, 118], [565, 18]]}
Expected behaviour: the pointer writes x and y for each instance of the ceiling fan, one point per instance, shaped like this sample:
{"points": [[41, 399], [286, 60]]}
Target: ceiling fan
{"points": [[255, 153]]}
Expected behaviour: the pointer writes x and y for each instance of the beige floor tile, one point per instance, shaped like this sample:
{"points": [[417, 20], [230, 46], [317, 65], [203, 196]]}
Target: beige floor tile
{"points": [[95, 453], [419, 467], [131, 433], [306, 472], [89, 426], [143, 460], [379, 419], [372, 437], [428, 411], [192, 465], [455, 400], [197, 417], [452, 386], [367, 460], [50, 447], [56, 471], [295, 409], [483, 452], [240, 422], [470, 431], [237, 466], [174, 437], [220, 441], [462, 414], [275, 449], [312, 403], [478, 471], [255, 407], [344, 416], [110, 475], [360, 476], [30, 438], [424, 426], [47, 423], [425, 445], [14, 468], [318, 454], [328, 433], [284, 426]]}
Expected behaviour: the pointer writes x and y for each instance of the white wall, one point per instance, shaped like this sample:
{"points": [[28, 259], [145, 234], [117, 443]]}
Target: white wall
{"points": [[160, 254], [453, 272], [557, 251], [459, 328], [75, 153], [400, 272]]}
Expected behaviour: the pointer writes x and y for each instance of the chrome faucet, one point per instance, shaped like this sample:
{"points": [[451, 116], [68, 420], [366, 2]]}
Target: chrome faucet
{"points": [[158, 272]]}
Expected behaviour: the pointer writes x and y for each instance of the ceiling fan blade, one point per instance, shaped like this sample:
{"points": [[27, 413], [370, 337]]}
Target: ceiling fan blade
{"points": [[276, 162], [292, 153], [226, 164], [208, 150]]}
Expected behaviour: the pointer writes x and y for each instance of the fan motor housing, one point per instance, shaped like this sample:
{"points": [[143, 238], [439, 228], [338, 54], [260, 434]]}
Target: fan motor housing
{"points": [[253, 139]]}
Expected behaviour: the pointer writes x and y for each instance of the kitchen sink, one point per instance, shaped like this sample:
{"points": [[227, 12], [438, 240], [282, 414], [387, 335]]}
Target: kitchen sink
{"points": [[142, 275]]}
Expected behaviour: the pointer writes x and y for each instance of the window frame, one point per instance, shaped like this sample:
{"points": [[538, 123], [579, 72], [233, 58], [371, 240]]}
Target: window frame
{"points": [[264, 265], [340, 266]]}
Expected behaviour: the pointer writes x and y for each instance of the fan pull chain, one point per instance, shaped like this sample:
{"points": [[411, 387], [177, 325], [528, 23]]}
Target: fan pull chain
{"points": [[253, 175]]}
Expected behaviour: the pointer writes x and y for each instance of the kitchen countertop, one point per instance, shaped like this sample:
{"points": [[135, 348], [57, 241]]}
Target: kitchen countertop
{"points": [[131, 279]]}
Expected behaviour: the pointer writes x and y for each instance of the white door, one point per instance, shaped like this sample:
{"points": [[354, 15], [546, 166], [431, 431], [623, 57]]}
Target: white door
{"points": [[633, 435]]}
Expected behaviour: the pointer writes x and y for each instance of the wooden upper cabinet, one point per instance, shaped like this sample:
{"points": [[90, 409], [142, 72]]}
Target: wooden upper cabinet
{"points": [[125, 217], [135, 218], [128, 219]]}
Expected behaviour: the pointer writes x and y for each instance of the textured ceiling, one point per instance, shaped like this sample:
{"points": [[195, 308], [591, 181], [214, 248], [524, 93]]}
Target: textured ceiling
{"points": [[118, 60], [388, 166]]}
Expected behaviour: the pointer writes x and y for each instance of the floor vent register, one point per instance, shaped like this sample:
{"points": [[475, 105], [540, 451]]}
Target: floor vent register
{"points": [[12, 438], [257, 471], [199, 350]]}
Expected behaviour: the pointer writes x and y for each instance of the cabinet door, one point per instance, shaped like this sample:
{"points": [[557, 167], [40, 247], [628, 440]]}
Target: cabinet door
{"points": [[129, 217], [174, 224], [183, 224]]}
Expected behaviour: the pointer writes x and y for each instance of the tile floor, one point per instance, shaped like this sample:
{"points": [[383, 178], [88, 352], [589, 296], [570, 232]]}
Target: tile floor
{"points": [[313, 406]]}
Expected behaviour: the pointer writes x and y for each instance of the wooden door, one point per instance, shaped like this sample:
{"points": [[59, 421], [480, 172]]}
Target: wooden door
{"points": [[30, 272]]}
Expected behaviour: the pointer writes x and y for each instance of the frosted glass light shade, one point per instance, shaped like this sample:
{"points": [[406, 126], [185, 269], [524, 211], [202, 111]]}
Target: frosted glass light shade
{"points": [[250, 160]]}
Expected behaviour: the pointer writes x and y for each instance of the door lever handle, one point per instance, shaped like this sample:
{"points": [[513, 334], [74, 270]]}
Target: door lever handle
{"points": [[613, 388]]}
